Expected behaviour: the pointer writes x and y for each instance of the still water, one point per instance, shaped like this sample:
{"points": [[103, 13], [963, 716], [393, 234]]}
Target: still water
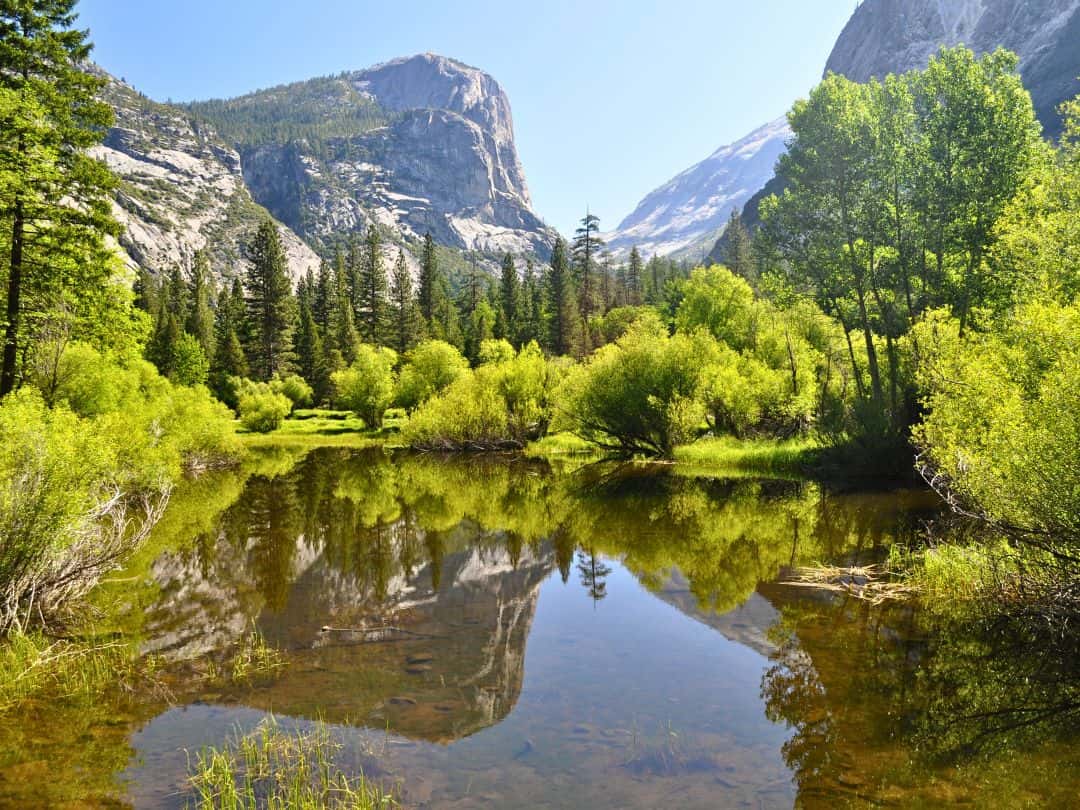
{"points": [[492, 633]]}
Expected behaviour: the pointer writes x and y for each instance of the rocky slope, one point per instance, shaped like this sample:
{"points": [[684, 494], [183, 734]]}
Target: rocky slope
{"points": [[890, 36], [428, 146], [688, 212], [181, 189]]}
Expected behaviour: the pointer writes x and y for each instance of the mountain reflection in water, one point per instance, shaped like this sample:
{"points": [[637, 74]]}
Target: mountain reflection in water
{"points": [[489, 632]]}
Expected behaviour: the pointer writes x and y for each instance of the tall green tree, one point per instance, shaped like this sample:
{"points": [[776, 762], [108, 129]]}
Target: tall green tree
{"points": [[564, 318], [55, 208], [509, 302], [739, 248], [229, 329], [405, 314], [635, 273], [372, 290], [311, 358], [200, 316], [586, 252], [430, 286], [270, 304]]}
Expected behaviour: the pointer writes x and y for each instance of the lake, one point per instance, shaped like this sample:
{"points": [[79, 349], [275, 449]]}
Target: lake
{"points": [[498, 633]]}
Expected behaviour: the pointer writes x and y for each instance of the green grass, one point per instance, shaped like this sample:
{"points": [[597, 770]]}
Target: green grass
{"points": [[952, 572], [753, 456], [325, 428], [560, 444], [34, 667], [274, 768]]}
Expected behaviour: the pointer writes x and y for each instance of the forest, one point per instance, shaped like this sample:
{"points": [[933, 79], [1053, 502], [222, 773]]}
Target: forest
{"points": [[906, 311]]}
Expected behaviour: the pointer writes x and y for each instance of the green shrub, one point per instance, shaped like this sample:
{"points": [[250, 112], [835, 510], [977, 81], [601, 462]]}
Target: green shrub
{"points": [[500, 404], [367, 386], [64, 506], [428, 370], [262, 409], [641, 394], [300, 394], [1002, 419]]}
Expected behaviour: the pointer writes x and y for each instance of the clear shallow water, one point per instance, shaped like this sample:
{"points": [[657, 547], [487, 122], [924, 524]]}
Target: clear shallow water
{"points": [[495, 634]]}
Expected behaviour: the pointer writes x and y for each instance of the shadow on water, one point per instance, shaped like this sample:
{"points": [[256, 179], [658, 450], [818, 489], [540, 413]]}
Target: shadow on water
{"points": [[489, 632]]}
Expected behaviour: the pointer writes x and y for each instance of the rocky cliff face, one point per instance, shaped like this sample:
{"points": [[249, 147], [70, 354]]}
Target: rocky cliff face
{"points": [[687, 213], [891, 36], [433, 150], [415, 145], [181, 189]]}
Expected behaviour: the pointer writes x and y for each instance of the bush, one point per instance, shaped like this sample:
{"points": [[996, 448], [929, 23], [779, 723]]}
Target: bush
{"points": [[262, 409], [501, 404], [157, 428], [367, 386], [64, 507], [428, 370], [1003, 416], [299, 393], [641, 394]]}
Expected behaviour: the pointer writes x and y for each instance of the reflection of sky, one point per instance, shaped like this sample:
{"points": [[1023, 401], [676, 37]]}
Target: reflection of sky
{"points": [[606, 686]]}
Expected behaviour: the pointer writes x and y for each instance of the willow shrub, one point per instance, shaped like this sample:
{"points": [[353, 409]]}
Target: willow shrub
{"points": [[641, 394], [503, 403], [427, 370], [262, 409], [367, 386], [1002, 419], [86, 472]]}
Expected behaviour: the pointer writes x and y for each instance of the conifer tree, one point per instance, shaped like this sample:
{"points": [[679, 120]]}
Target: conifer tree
{"points": [[324, 301], [200, 318], [586, 250], [405, 313], [739, 248], [510, 302], [310, 353], [635, 272], [372, 315], [532, 298], [229, 328], [55, 209], [343, 337], [430, 286], [563, 315], [269, 303]]}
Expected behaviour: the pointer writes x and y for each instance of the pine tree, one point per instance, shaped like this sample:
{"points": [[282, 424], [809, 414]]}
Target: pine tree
{"points": [[405, 313], [532, 297], [739, 248], [635, 272], [343, 337], [310, 353], [563, 315], [229, 329], [654, 272], [325, 300], [269, 303], [510, 302], [372, 290], [607, 283], [200, 318], [586, 249], [55, 207], [430, 285]]}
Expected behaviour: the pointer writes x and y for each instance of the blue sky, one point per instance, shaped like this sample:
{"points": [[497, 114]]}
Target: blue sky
{"points": [[610, 99]]}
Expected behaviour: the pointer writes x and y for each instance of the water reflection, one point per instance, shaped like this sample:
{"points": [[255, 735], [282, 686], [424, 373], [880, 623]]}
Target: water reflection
{"points": [[609, 637]]}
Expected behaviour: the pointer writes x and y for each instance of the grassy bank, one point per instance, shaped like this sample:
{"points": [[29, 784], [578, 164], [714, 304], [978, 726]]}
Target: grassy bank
{"points": [[771, 457], [325, 428]]}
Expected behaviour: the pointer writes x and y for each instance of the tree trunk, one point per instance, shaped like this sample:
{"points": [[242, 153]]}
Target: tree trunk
{"points": [[11, 335]]}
